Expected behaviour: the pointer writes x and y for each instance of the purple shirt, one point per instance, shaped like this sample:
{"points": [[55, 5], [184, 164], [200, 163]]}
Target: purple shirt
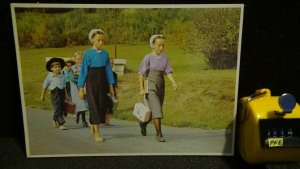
{"points": [[153, 62]]}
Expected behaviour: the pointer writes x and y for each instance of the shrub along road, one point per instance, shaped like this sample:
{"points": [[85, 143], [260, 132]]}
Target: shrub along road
{"points": [[123, 138]]}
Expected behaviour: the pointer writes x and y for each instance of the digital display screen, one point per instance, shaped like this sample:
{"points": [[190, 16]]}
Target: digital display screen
{"points": [[279, 133]]}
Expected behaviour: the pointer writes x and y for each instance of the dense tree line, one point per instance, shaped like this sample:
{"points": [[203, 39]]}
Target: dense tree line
{"points": [[212, 31]]}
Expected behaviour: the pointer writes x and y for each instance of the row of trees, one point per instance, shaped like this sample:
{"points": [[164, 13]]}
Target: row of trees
{"points": [[212, 31]]}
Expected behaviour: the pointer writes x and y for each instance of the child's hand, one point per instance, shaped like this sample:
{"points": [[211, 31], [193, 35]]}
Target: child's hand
{"points": [[81, 93]]}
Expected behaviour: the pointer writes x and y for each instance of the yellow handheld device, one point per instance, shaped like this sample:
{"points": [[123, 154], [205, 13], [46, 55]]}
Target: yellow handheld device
{"points": [[269, 128]]}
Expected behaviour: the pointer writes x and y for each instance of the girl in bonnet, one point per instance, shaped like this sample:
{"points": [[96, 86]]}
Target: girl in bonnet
{"points": [[96, 75], [154, 67]]}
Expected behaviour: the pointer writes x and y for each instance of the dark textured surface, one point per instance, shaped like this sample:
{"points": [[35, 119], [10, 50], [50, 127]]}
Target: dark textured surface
{"points": [[269, 58], [13, 156]]}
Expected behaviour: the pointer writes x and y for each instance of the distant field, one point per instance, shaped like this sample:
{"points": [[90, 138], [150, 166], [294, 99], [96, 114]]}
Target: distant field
{"points": [[205, 98]]}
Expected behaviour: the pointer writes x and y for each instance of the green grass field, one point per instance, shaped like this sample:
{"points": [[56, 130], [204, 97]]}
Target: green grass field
{"points": [[205, 98]]}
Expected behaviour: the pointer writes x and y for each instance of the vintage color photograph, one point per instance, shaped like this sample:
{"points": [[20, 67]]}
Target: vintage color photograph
{"points": [[128, 80]]}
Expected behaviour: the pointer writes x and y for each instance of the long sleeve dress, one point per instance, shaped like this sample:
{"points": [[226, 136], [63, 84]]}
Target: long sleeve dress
{"points": [[96, 75], [154, 68]]}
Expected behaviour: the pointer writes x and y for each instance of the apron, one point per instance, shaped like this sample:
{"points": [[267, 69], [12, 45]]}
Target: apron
{"points": [[80, 105]]}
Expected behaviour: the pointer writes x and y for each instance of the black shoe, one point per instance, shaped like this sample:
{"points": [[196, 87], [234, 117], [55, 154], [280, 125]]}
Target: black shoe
{"points": [[143, 128], [160, 138]]}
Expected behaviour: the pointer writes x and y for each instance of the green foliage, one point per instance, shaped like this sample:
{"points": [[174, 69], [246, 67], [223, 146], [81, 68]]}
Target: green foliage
{"points": [[215, 32], [26, 26], [121, 25]]}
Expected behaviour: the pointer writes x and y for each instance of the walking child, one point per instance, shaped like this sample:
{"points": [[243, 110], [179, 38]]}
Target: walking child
{"points": [[68, 73], [56, 83], [96, 74], [80, 104], [77, 66], [154, 67]]}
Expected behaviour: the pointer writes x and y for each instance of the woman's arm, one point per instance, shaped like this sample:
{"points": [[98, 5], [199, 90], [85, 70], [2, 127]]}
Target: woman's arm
{"points": [[141, 80], [83, 71], [170, 77]]}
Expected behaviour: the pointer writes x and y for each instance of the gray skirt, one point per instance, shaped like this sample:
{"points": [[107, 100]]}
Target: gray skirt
{"points": [[155, 97]]}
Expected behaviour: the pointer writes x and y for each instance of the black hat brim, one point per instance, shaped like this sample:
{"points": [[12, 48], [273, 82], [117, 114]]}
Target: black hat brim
{"points": [[52, 60]]}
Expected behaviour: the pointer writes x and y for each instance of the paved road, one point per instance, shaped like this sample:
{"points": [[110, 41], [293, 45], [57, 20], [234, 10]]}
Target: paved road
{"points": [[123, 138]]}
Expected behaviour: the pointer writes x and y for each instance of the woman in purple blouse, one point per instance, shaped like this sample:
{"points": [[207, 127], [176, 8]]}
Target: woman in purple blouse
{"points": [[153, 68]]}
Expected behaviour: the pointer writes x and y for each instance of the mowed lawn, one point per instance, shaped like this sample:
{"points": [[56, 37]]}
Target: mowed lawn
{"points": [[205, 98]]}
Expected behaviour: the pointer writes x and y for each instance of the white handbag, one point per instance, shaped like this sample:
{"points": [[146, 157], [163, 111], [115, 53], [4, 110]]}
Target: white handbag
{"points": [[141, 111]]}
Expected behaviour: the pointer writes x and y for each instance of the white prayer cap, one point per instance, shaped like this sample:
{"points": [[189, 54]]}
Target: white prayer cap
{"points": [[153, 37], [94, 31]]}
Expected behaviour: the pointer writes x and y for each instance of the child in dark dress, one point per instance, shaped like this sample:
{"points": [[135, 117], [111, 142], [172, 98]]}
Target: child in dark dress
{"points": [[80, 105], [97, 77]]}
